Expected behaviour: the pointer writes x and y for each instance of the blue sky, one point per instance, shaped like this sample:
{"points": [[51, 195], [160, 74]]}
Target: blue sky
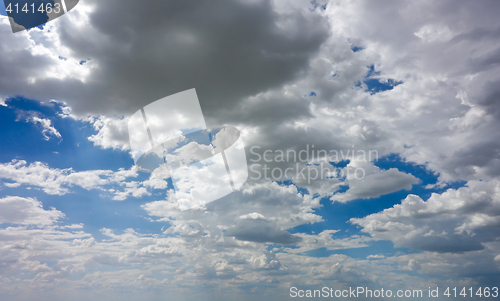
{"points": [[410, 82], [91, 208]]}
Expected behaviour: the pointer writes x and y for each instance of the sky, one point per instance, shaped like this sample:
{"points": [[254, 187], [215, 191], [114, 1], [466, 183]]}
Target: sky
{"points": [[413, 83]]}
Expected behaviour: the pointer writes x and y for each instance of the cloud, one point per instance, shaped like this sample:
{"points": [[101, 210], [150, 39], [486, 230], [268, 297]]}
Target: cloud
{"points": [[366, 180], [285, 74], [446, 82], [111, 132], [158, 263], [26, 211], [476, 267], [325, 240], [258, 230], [375, 256], [291, 51], [287, 207], [267, 260], [329, 73], [455, 221], [55, 181], [204, 48], [36, 119]]}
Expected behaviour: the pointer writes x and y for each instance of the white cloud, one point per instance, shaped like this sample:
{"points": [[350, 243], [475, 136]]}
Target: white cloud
{"points": [[265, 261], [36, 119], [325, 240], [454, 221], [283, 204], [198, 256], [55, 181], [26, 211], [378, 256], [111, 132], [366, 180]]}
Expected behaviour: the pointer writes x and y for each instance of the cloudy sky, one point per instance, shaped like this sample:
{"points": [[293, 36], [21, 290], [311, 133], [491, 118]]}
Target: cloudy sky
{"points": [[414, 82]]}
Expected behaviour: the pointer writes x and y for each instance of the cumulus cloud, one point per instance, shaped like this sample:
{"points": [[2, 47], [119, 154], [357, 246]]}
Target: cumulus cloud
{"points": [[55, 181], [26, 211], [275, 45], [284, 205], [366, 180], [455, 221], [112, 132], [259, 230], [446, 87]]}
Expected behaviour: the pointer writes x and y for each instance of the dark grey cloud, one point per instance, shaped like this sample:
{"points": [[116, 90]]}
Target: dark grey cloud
{"points": [[142, 52], [486, 155], [258, 230]]}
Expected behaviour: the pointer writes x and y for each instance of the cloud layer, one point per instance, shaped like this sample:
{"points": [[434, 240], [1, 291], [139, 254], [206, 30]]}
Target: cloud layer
{"points": [[416, 79]]}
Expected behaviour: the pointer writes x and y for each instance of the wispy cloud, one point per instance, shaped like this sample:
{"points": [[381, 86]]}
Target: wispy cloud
{"points": [[36, 118]]}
